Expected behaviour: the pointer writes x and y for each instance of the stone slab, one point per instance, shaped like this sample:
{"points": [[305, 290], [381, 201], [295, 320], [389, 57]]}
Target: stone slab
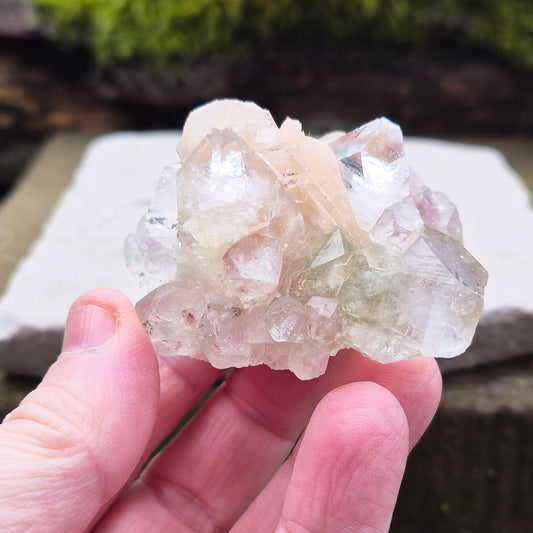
{"points": [[517, 150], [81, 243], [26, 209], [473, 470]]}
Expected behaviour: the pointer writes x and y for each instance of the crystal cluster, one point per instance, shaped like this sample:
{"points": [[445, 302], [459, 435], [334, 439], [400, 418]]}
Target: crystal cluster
{"points": [[264, 245]]}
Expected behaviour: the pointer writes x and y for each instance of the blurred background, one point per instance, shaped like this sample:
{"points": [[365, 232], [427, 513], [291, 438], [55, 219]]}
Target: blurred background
{"points": [[453, 69], [448, 68]]}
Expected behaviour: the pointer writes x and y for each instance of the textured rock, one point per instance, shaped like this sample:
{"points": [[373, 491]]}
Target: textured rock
{"points": [[494, 206], [472, 470], [267, 246]]}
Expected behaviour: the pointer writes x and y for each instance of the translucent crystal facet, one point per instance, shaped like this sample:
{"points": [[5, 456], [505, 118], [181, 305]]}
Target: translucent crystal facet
{"points": [[263, 245]]}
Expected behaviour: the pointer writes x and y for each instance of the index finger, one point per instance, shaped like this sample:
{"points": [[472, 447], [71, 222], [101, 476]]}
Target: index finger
{"points": [[226, 455]]}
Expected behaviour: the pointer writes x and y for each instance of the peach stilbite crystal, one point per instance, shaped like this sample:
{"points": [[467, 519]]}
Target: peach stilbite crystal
{"points": [[263, 245]]}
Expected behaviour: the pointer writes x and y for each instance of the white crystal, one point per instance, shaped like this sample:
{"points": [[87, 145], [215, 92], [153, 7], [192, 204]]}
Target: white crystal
{"points": [[373, 168], [268, 246]]}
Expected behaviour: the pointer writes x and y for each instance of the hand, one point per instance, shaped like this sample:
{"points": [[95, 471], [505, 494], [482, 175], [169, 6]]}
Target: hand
{"points": [[71, 453]]}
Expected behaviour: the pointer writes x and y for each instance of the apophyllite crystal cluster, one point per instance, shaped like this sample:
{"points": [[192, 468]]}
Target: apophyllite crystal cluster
{"points": [[264, 245]]}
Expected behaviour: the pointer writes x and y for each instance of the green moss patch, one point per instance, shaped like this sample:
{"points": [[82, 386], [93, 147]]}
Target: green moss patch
{"points": [[157, 32]]}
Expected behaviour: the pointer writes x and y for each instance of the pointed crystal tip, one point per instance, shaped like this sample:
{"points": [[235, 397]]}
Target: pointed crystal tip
{"points": [[265, 246]]}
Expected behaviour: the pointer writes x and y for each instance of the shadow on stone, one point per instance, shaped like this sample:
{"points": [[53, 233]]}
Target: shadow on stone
{"points": [[12, 390], [473, 470], [30, 352]]}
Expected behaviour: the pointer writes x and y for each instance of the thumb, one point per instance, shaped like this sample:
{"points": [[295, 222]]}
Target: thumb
{"points": [[73, 443]]}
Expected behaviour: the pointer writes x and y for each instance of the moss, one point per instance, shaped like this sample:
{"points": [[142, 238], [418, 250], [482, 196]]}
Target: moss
{"points": [[155, 30], [160, 31]]}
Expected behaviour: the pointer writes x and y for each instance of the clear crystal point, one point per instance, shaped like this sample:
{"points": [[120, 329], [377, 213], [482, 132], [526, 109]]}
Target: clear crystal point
{"points": [[267, 246]]}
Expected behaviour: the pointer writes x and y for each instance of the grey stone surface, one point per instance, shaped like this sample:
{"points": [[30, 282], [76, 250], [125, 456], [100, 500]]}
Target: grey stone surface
{"points": [[473, 470], [80, 247], [12, 390]]}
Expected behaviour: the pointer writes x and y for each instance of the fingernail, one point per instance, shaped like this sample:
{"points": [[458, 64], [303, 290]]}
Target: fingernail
{"points": [[88, 326]]}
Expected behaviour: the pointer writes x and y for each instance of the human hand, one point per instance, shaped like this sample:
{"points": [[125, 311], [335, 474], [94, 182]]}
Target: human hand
{"points": [[71, 453]]}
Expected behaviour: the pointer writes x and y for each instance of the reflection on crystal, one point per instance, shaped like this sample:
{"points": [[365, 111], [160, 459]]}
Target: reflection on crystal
{"points": [[153, 253], [253, 267], [268, 246], [373, 168]]}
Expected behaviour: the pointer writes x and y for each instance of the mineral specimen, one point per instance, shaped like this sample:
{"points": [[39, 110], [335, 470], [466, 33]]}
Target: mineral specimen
{"points": [[264, 245]]}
